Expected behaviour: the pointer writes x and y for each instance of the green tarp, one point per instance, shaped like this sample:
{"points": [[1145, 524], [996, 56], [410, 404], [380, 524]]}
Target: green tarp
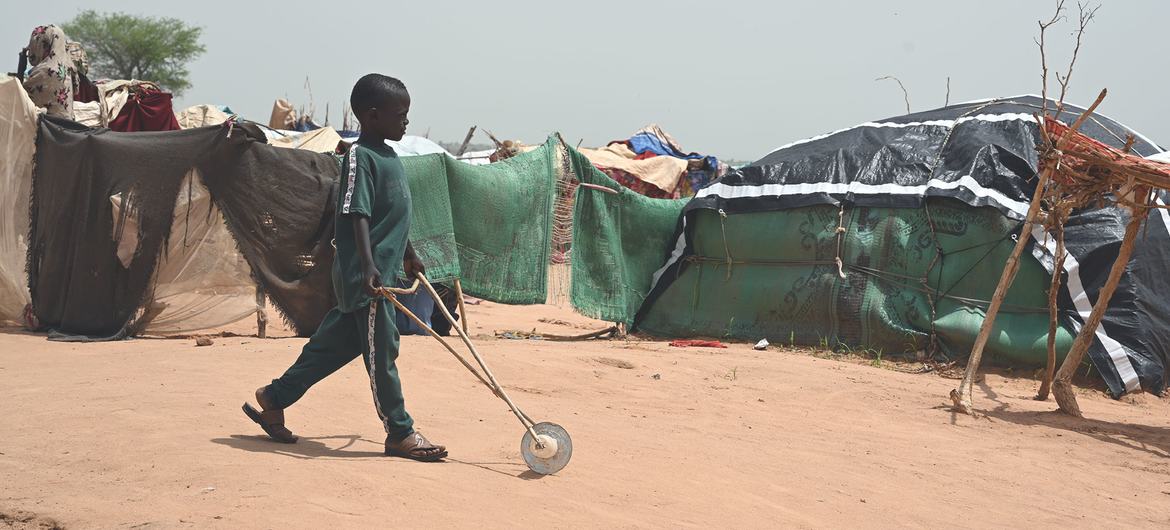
{"points": [[491, 226], [783, 282]]}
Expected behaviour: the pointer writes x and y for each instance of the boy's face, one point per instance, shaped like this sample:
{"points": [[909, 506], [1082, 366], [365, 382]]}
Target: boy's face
{"points": [[388, 119]]}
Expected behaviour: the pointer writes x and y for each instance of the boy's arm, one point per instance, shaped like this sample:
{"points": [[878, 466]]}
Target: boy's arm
{"points": [[411, 265], [371, 278]]}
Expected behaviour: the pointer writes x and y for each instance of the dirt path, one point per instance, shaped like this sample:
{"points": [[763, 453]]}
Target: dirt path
{"points": [[148, 434]]}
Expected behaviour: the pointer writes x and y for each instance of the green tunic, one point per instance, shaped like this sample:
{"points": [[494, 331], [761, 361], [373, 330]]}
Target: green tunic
{"points": [[374, 186]]}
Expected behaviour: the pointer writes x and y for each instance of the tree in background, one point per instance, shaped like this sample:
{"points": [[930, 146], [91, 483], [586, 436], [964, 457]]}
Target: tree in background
{"points": [[125, 46]]}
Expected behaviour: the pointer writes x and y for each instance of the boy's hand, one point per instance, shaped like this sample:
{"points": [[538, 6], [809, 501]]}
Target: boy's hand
{"points": [[371, 279]]}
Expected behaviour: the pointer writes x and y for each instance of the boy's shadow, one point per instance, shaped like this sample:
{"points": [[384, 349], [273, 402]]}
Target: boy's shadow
{"points": [[312, 449], [305, 448]]}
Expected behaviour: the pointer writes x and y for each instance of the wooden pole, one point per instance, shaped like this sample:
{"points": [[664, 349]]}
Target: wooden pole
{"points": [[1062, 385], [1053, 292], [459, 300], [962, 396], [495, 140], [261, 314], [466, 141]]}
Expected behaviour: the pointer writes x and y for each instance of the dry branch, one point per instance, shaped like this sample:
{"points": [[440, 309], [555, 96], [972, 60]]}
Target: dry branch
{"points": [[1085, 15], [905, 94], [1056, 16]]}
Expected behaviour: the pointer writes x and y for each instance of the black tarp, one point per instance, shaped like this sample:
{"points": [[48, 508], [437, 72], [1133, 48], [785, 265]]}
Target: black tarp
{"points": [[984, 154], [278, 205]]}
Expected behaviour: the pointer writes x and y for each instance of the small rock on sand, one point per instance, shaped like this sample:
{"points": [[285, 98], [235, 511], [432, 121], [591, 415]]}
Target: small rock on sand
{"points": [[203, 341]]}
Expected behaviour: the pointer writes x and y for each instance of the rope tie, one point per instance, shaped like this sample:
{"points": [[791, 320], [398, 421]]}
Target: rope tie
{"points": [[840, 239], [726, 250]]}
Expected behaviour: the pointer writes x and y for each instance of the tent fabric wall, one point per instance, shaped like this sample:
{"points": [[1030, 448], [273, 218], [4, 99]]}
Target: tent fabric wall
{"points": [[277, 203], [323, 140], [202, 280], [783, 282], [198, 116], [617, 244], [981, 154], [489, 225], [18, 121]]}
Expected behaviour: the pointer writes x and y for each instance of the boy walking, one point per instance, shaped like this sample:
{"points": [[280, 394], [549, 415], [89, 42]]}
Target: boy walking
{"points": [[372, 223]]}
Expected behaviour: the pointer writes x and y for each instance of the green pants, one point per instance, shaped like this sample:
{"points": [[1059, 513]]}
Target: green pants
{"points": [[341, 337]]}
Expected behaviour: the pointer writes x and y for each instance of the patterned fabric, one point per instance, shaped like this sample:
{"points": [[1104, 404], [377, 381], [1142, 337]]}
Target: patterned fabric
{"points": [[638, 185], [53, 77]]}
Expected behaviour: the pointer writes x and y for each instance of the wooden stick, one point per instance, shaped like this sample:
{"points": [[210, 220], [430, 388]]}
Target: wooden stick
{"points": [[1053, 292], [599, 187], [459, 298], [1062, 386], [495, 140], [962, 396], [584, 336], [496, 386], [426, 327], [261, 314], [466, 141], [390, 295]]}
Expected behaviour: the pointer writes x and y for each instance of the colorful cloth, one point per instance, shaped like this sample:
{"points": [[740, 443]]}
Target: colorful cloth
{"points": [[53, 77], [652, 139], [662, 172], [638, 185], [147, 109]]}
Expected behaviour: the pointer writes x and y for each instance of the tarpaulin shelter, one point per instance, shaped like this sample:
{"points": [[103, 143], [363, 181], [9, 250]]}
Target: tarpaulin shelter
{"points": [[79, 285], [891, 236], [18, 121], [201, 280], [199, 116], [108, 212]]}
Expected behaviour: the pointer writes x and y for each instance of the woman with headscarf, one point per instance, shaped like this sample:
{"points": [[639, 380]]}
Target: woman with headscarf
{"points": [[51, 81]]}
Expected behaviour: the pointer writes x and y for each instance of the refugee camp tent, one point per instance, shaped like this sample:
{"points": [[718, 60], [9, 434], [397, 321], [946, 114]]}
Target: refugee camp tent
{"points": [[18, 121], [200, 283], [891, 236], [323, 140]]}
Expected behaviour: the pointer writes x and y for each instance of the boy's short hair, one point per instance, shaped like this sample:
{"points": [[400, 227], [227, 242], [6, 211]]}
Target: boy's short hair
{"points": [[372, 89]]}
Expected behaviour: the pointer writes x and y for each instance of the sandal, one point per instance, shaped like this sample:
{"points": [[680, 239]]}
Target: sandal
{"points": [[415, 447], [270, 419]]}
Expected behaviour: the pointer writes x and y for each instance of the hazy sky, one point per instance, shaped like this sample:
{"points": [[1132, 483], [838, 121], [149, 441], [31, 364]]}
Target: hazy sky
{"points": [[728, 77]]}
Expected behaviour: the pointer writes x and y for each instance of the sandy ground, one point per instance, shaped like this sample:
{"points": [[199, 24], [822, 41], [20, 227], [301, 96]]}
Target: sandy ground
{"points": [[149, 434]]}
